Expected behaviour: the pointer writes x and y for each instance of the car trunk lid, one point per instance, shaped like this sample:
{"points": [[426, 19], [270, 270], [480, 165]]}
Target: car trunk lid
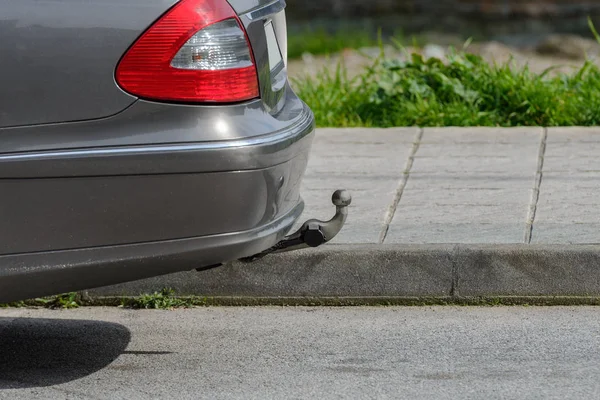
{"points": [[265, 23]]}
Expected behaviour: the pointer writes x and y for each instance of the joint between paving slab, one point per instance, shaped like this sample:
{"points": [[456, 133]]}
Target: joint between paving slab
{"points": [[535, 192], [454, 289], [389, 215]]}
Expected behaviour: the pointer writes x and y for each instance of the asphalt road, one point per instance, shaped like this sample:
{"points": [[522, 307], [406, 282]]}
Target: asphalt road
{"points": [[301, 353]]}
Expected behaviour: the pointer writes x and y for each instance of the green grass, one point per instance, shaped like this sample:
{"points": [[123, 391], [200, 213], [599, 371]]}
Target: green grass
{"points": [[319, 41], [163, 300], [175, 302], [66, 301], [465, 90]]}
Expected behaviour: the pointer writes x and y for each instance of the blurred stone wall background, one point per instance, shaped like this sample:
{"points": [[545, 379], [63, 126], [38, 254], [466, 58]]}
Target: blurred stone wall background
{"points": [[342, 8], [469, 17]]}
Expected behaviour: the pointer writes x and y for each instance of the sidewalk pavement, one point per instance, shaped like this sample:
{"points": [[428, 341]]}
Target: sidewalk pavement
{"points": [[461, 185], [436, 212]]}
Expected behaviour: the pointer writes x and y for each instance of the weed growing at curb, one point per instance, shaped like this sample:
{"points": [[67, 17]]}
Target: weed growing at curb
{"points": [[62, 301], [67, 300], [165, 299], [463, 90]]}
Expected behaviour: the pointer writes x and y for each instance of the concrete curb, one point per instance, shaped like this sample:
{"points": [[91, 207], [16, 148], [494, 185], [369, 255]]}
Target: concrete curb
{"points": [[385, 272]]}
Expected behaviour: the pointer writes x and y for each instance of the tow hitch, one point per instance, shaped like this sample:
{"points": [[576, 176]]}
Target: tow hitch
{"points": [[313, 232]]}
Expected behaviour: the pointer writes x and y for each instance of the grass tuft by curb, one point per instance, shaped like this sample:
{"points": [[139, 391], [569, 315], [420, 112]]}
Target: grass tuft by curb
{"points": [[463, 90], [166, 300], [62, 301], [162, 300]]}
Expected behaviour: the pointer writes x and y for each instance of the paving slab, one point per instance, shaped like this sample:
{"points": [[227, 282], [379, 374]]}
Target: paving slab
{"points": [[569, 205], [367, 162], [468, 185]]}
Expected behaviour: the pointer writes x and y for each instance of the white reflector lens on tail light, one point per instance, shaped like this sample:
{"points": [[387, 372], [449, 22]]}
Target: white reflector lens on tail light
{"points": [[197, 52], [219, 46]]}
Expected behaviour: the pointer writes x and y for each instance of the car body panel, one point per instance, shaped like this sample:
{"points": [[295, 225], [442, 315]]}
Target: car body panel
{"points": [[58, 57], [121, 157], [156, 123]]}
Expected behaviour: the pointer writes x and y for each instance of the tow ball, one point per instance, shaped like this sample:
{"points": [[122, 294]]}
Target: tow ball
{"points": [[313, 232]]}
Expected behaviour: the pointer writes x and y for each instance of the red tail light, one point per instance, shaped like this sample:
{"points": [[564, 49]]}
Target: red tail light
{"points": [[197, 52]]}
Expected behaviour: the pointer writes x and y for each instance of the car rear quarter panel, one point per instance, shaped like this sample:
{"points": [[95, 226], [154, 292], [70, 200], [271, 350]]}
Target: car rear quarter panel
{"points": [[58, 57]]}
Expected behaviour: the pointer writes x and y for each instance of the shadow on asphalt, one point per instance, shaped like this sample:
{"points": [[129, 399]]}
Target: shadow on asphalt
{"points": [[38, 352]]}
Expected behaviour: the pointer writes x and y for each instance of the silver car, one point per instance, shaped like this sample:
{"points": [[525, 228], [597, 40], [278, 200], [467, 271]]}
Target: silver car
{"points": [[144, 137]]}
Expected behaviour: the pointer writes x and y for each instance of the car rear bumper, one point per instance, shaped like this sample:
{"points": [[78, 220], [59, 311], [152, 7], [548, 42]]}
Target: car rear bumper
{"points": [[87, 217], [30, 275]]}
